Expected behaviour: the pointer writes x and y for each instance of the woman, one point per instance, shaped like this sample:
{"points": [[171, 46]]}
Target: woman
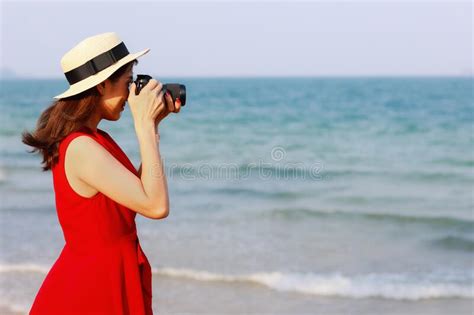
{"points": [[102, 268]]}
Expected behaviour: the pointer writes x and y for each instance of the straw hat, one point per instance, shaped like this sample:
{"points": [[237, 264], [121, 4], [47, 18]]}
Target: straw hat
{"points": [[93, 60]]}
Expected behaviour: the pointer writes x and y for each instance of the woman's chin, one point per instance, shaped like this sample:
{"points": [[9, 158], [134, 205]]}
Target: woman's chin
{"points": [[116, 117]]}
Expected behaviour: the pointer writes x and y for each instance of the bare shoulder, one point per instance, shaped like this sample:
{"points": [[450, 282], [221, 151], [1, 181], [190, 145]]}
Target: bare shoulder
{"points": [[77, 156], [83, 143], [87, 155]]}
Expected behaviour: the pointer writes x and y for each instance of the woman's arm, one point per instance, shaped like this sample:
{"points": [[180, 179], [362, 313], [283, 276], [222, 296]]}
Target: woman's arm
{"points": [[171, 106], [152, 175], [139, 170], [95, 166]]}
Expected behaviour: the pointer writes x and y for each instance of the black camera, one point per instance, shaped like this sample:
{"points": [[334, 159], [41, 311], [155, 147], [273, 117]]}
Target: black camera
{"points": [[176, 90]]}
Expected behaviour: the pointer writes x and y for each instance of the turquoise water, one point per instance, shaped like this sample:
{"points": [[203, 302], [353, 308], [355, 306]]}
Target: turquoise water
{"points": [[347, 188]]}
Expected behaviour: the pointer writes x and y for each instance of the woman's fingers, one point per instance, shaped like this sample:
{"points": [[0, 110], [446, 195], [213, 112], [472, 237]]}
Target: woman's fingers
{"points": [[158, 104], [153, 84], [173, 106], [177, 105], [161, 111], [169, 102]]}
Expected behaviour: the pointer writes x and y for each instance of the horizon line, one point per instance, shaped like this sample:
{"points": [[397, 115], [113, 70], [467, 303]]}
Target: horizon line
{"points": [[467, 75]]}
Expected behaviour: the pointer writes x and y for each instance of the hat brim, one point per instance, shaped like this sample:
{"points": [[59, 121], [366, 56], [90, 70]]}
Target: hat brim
{"points": [[99, 77]]}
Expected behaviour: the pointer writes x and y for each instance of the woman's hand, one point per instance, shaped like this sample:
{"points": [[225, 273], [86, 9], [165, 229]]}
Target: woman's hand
{"points": [[171, 106], [147, 105]]}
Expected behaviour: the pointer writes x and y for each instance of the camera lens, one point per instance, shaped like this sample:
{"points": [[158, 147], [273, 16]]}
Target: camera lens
{"points": [[176, 90]]}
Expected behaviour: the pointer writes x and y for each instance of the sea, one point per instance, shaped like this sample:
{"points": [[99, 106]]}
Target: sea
{"points": [[324, 195]]}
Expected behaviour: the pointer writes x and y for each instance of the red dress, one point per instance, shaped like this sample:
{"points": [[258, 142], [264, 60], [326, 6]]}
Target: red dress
{"points": [[102, 268]]}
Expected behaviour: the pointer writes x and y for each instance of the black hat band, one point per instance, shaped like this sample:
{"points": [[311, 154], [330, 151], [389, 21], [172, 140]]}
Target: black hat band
{"points": [[97, 64]]}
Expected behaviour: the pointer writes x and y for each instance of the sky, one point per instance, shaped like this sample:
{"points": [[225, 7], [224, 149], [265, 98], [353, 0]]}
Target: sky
{"points": [[247, 38]]}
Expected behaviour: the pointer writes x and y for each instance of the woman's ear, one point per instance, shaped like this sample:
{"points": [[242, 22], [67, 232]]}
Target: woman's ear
{"points": [[101, 87]]}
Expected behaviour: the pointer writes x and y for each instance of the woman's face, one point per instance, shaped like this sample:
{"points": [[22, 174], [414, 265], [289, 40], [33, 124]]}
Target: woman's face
{"points": [[114, 96]]}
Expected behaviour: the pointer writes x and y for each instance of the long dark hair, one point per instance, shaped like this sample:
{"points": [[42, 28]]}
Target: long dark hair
{"points": [[62, 117]]}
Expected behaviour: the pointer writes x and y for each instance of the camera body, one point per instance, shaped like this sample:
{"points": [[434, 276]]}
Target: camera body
{"points": [[176, 90]]}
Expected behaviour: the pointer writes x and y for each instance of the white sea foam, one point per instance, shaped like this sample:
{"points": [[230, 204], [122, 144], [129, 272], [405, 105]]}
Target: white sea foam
{"points": [[23, 268], [389, 286]]}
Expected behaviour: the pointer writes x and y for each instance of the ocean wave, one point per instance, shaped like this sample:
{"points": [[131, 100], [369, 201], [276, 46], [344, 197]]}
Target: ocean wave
{"points": [[467, 163], [406, 175], [4, 268], [305, 170], [235, 171], [388, 286], [443, 222], [272, 194], [455, 243]]}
